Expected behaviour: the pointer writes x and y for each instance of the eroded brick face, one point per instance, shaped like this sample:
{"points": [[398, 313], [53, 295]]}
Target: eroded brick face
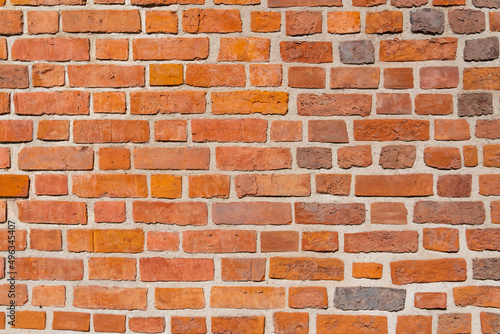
{"points": [[251, 166]]}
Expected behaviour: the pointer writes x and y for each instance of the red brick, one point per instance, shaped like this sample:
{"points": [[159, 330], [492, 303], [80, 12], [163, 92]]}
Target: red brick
{"points": [[166, 186], [328, 131], [100, 297], [110, 185], [80, 240], [30, 320], [111, 323], [409, 324], [488, 128], [170, 130], [291, 323], [166, 74], [109, 212], [153, 102], [454, 185], [53, 130], [449, 212], [159, 269], [408, 185], [391, 130], [101, 21], [161, 21], [21, 297], [490, 322], [454, 322], [253, 325], [112, 268], [71, 321], [215, 75], [451, 129], [244, 49], [427, 271], [52, 212], [209, 186], [443, 157], [265, 75], [110, 131], [343, 22], [247, 297], [188, 325], [279, 241], [443, 48], [438, 77], [434, 104], [162, 241], [248, 269], [330, 213], [51, 49], [48, 75], [495, 212], [111, 158], [147, 324], [306, 52], [321, 241], [251, 213], [181, 48], [381, 241], [14, 76], [366, 324], [111, 49], [430, 300], [13, 22], [52, 103], [354, 77], [398, 78], [306, 268], [197, 20], [394, 104], [272, 185], [45, 295], [483, 239], [308, 297], [354, 156], [334, 104], [14, 185], [367, 270], [4, 99], [252, 158], [178, 213], [245, 102], [115, 76], [43, 22], [39, 268], [388, 213], [229, 130], [306, 77], [45, 240], [383, 22], [303, 23], [51, 184], [56, 158], [441, 239], [219, 241], [171, 158], [286, 131], [314, 157], [265, 21]]}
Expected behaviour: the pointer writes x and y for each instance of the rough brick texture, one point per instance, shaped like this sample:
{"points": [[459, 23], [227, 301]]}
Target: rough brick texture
{"points": [[250, 166]]}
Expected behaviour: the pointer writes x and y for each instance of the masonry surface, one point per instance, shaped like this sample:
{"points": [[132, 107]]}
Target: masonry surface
{"points": [[251, 166]]}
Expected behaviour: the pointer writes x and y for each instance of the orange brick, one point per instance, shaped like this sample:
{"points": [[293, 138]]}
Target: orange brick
{"points": [[248, 269], [321, 241], [272, 185], [170, 130], [215, 75], [30, 320], [118, 241], [384, 22], [219, 241], [110, 185], [254, 325], [245, 102], [61, 103], [166, 186], [266, 75], [114, 323], [425, 271], [414, 324], [265, 21], [247, 297], [153, 102], [303, 23], [285, 322], [39, 268], [21, 297], [162, 241], [13, 22], [72, 321], [209, 186], [161, 21], [453, 129], [14, 185], [52, 185], [187, 213], [306, 77], [112, 268], [171, 158], [398, 78], [109, 212], [251, 49], [344, 22], [3, 48], [179, 298], [111, 158], [100, 297], [197, 20], [279, 241], [180, 48], [430, 300], [302, 268], [308, 297], [20, 243], [48, 75], [109, 102], [45, 295], [443, 48], [286, 131], [166, 75], [367, 270], [329, 324], [45, 240], [164, 269], [52, 212], [100, 21], [111, 49], [113, 76], [189, 325], [147, 324], [51, 49], [354, 77]]}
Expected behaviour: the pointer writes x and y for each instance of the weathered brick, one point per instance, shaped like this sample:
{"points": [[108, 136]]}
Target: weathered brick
{"points": [[219, 241], [286, 131], [16, 131], [328, 131], [451, 129], [414, 324], [306, 52], [13, 22], [215, 75], [111, 49], [330, 213], [475, 104], [427, 21], [486, 268], [285, 185], [109, 212], [161, 21], [170, 130], [114, 323], [381, 241], [443, 157], [265, 21], [254, 324], [279, 241], [307, 297], [438, 77], [490, 322], [357, 52], [72, 321], [14, 76], [444, 48], [483, 239], [369, 298], [266, 75], [181, 325], [398, 78], [482, 296], [481, 78], [56, 158], [303, 23], [61, 103], [383, 22], [333, 184], [427, 271], [304, 3], [40, 268], [109, 102], [391, 129], [101, 21], [343, 22], [454, 213], [177, 213], [247, 297], [397, 156], [45, 240], [488, 128], [466, 21], [306, 77], [441, 239], [45, 295], [112, 158], [405, 185], [306, 268], [162, 241], [454, 185], [314, 157], [112, 268], [147, 324], [197, 20], [334, 104], [481, 49]]}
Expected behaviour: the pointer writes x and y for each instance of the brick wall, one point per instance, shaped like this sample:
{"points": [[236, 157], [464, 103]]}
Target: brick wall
{"points": [[251, 166]]}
